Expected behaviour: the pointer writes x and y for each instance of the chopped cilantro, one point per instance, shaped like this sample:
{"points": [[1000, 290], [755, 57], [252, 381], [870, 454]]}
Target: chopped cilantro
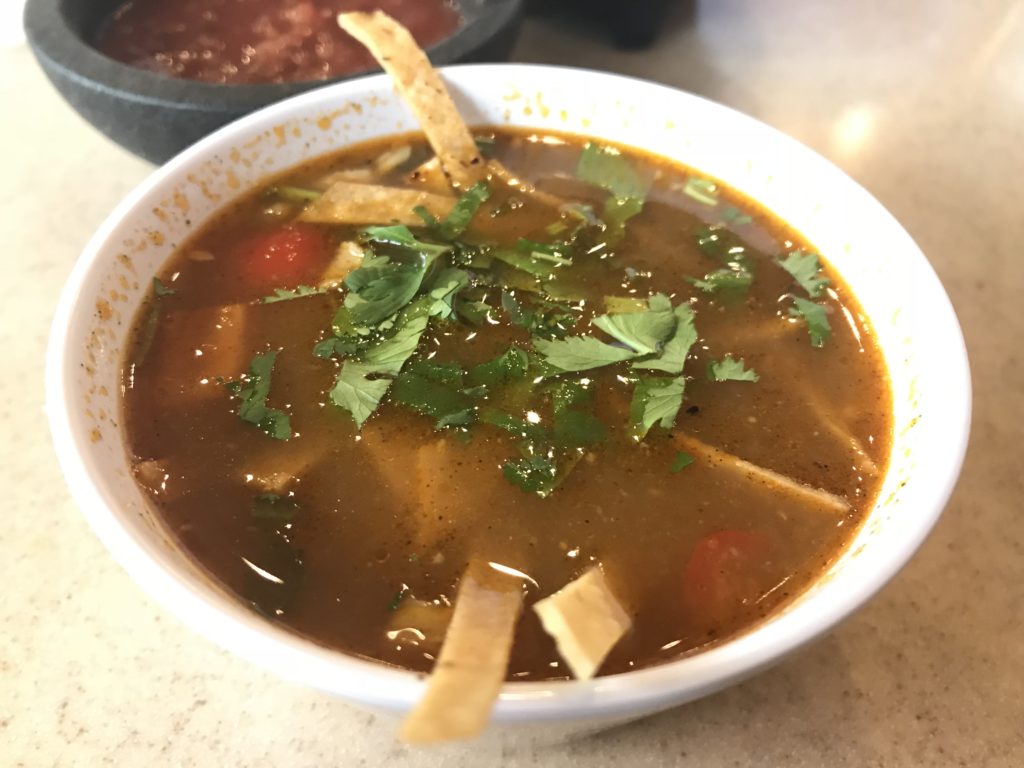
{"points": [[332, 346], [548, 320], [445, 286], [606, 167], [473, 312], [577, 429], [735, 217], [681, 461], [536, 263], [253, 390], [806, 270], [284, 294], [511, 365], [512, 424], [399, 596], [161, 290], [816, 317], [356, 392], [656, 400], [463, 211], [728, 369], [271, 506], [435, 396], [400, 236], [379, 288], [580, 353], [674, 352], [703, 191], [645, 331], [534, 474], [728, 282]]}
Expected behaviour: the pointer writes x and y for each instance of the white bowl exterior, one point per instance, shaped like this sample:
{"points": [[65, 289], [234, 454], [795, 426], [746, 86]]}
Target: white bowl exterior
{"points": [[911, 315]]}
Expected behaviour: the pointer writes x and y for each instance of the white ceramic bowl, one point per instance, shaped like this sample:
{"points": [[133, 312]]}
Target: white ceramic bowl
{"points": [[915, 325]]}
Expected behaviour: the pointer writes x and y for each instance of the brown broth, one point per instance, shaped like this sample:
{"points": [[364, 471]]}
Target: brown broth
{"points": [[366, 531]]}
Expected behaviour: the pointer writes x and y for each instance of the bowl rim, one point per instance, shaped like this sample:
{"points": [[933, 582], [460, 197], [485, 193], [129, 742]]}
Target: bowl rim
{"points": [[373, 684], [51, 36]]}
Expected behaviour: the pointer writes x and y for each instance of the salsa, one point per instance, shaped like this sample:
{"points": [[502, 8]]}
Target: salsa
{"points": [[257, 41], [656, 375]]}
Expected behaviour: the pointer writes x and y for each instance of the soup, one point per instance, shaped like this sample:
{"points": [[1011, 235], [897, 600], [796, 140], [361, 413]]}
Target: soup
{"points": [[504, 405]]}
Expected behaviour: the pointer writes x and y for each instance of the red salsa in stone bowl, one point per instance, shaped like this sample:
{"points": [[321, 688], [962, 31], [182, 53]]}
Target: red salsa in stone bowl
{"points": [[258, 41]]}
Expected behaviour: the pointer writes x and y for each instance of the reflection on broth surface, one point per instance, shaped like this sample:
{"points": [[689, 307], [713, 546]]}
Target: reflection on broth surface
{"points": [[703, 521]]}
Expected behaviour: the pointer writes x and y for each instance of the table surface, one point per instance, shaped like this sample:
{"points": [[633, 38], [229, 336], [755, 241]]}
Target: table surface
{"points": [[920, 102]]}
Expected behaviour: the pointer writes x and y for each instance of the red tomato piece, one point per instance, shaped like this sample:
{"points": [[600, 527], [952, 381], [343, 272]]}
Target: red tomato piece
{"points": [[726, 569], [294, 254]]}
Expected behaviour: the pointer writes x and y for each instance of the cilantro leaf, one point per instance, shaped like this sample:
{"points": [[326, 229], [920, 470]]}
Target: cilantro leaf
{"points": [[735, 217], [806, 270], [681, 461], [577, 429], [356, 392], [463, 211], [433, 397], [656, 400], [362, 383], [607, 168], [284, 294], [673, 354], [161, 290], [511, 365], [512, 424], [729, 282], [473, 312], [537, 263], [568, 393], [816, 318], [253, 390], [401, 237], [446, 285], [379, 288], [704, 191], [729, 369], [580, 353], [332, 346], [642, 331], [549, 320], [534, 474]]}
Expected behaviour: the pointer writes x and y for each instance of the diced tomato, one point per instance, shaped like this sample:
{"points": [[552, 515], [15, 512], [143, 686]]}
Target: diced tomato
{"points": [[726, 569], [283, 258]]}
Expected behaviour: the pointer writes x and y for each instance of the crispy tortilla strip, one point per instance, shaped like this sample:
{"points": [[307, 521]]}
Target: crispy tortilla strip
{"points": [[430, 176], [348, 202], [586, 621], [347, 258], [279, 468], [813, 497], [473, 661], [503, 174], [829, 423], [421, 87]]}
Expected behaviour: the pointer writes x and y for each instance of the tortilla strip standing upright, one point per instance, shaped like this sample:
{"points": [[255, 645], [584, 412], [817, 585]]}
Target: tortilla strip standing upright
{"points": [[471, 667], [420, 86]]}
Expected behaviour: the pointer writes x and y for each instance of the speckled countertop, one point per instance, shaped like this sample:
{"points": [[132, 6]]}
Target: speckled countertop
{"points": [[923, 103]]}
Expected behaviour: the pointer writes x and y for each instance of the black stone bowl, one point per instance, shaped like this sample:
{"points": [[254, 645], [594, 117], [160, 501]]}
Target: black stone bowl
{"points": [[156, 116]]}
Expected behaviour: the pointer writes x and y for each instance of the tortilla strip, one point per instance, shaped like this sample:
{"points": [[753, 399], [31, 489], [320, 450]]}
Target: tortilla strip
{"points": [[347, 202], [429, 175], [471, 667], [421, 88], [346, 259], [815, 497], [864, 461], [586, 621]]}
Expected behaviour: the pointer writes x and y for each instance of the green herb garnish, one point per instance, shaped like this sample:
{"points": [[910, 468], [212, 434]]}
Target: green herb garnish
{"points": [[160, 289], [728, 369], [728, 282], [606, 167], [463, 211], [703, 191], [284, 294], [656, 400], [816, 317], [806, 270], [681, 461], [252, 390]]}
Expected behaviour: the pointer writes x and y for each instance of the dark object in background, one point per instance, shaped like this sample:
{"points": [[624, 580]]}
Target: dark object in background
{"points": [[156, 116], [632, 23]]}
